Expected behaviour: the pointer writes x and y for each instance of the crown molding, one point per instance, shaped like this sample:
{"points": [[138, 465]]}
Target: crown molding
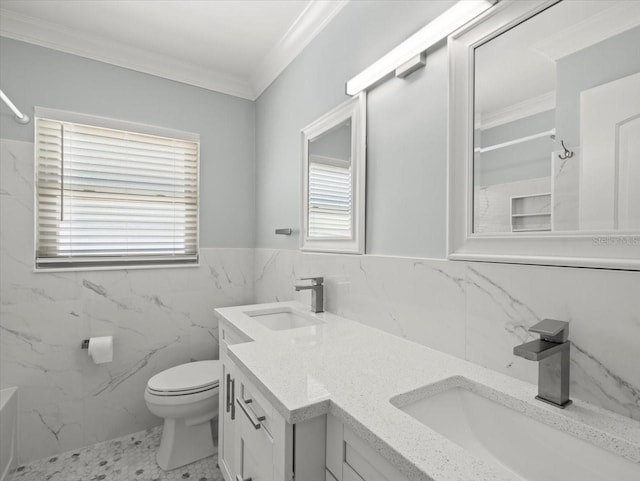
{"points": [[619, 17], [313, 19], [521, 110], [32, 30], [49, 35]]}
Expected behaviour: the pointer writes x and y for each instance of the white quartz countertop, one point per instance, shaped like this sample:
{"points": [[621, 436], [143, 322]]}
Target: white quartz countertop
{"points": [[352, 371]]}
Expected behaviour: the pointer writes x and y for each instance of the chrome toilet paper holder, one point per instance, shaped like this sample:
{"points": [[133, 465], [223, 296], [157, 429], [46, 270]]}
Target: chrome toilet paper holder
{"points": [[85, 344]]}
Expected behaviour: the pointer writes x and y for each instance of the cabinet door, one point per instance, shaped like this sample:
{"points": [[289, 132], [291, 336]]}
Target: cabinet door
{"points": [[350, 458], [254, 446], [226, 421], [350, 475]]}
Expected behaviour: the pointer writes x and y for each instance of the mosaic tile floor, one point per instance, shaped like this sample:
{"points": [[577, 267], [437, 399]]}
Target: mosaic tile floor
{"points": [[129, 458]]}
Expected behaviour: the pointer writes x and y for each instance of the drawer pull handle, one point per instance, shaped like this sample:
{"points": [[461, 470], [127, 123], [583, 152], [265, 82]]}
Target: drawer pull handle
{"points": [[238, 478], [233, 394], [253, 419], [228, 392]]}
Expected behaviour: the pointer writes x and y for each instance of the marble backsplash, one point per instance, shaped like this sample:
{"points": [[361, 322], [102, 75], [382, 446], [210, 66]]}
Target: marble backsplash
{"points": [[479, 311], [158, 317]]}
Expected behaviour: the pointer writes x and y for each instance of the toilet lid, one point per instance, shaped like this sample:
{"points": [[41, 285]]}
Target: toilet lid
{"points": [[192, 376]]}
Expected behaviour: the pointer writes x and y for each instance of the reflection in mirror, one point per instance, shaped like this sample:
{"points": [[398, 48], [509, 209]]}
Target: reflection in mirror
{"points": [[330, 206], [333, 180], [557, 123]]}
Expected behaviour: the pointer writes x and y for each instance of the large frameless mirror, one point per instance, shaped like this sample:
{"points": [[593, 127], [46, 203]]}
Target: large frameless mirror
{"points": [[545, 139], [333, 180]]}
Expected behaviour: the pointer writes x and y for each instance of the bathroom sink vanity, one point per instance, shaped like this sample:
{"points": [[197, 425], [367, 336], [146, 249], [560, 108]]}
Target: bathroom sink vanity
{"points": [[335, 400], [255, 442]]}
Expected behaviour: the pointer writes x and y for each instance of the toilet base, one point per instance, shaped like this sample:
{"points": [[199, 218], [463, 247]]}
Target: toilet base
{"points": [[182, 444]]}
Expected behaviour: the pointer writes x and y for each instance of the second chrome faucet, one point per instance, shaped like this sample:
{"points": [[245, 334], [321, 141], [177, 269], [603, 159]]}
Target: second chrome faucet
{"points": [[317, 292], [551, 352]]}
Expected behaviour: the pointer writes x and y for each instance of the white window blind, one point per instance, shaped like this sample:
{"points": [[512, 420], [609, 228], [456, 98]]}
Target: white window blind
{"points": [[111, 197], [330, 200]]}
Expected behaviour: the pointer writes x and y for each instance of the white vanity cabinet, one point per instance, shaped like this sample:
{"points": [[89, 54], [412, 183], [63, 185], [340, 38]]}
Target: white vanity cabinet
{"points": [[263, 439], [227, 410], [254, 440], [349, 458]]}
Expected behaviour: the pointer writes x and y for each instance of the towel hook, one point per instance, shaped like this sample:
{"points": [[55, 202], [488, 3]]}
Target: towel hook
{"points": [[567, 154]]}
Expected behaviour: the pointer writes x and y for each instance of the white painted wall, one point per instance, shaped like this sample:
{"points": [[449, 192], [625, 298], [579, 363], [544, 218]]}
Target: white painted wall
{"points": [[403, 285], [406, 148], [35, 76]]}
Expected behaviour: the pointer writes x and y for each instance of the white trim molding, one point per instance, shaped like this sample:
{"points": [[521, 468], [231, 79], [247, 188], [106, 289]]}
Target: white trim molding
{"points": [[313, 19], [620, 16], [607, 250], [56, 37], [520, 110]]}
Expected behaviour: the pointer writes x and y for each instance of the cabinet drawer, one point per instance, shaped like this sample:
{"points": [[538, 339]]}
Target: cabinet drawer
{"points": [[255, 451], [255, 403]]}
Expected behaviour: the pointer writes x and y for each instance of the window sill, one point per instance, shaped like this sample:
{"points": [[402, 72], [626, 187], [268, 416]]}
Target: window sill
{"points": [[113, 268]]}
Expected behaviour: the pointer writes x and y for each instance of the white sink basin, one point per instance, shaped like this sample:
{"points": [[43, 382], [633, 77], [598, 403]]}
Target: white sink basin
{"points": [[517, 445], [283, 318]]}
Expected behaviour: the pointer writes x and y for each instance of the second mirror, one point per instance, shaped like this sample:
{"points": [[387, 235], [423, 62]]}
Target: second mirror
{"points": [[333, 180]]}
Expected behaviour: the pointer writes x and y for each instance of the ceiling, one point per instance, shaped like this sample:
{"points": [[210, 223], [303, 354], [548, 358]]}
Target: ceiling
{"points": [[518, 68], [236, 47]]}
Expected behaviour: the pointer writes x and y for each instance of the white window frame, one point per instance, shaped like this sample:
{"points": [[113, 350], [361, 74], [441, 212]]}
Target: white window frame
{"points": [[109, 123]]}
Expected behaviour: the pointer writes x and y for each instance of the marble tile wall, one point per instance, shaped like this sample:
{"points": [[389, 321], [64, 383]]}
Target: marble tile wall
{"points": [[479, 311], [158, 317]]}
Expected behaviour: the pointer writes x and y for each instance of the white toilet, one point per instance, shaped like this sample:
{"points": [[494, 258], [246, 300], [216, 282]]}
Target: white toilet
{"points": [[186, 396]]}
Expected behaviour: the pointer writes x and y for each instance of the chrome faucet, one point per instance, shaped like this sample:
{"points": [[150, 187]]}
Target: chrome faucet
{"points": [[552, 353], [317, 292]]}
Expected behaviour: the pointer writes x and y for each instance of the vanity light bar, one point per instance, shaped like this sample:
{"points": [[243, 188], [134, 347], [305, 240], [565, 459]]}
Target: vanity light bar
{"points": [[412, 65], [451, 20]]}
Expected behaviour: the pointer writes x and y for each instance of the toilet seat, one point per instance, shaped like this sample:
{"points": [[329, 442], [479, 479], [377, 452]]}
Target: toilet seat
{"points": [[153, 392], [191, 378]]}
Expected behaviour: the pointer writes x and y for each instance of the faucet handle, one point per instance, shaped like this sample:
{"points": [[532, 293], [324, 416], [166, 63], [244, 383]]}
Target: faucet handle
{"points": [[551, 330], [316, 281]]}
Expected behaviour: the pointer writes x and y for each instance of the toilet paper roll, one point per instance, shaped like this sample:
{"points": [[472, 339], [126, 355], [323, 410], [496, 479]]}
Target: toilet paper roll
{"points": [[101, 349]]}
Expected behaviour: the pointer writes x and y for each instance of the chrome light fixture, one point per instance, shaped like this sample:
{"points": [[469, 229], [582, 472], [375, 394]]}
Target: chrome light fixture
{"points": [[409, 55]]}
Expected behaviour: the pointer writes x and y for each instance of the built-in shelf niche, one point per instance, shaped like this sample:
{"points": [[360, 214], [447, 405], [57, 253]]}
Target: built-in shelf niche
{"points": [[531, 213]]}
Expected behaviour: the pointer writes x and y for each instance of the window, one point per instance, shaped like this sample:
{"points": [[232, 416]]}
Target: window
{"points": [[108, 197]]}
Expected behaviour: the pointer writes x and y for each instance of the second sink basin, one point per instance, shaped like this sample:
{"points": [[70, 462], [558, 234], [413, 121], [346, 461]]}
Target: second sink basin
{"points": [[519, 446], [283, 318]]}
